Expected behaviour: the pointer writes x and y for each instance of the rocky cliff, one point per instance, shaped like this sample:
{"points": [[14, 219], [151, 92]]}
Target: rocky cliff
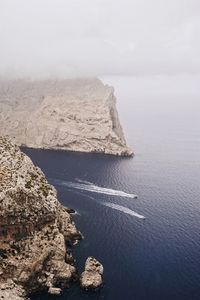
{"points": [[76, 115], [34, 229]]}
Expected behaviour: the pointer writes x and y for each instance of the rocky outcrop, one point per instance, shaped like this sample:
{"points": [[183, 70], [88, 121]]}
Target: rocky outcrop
{"points": [[11, 291], [76, 115], [91, 278], [34, 229]]}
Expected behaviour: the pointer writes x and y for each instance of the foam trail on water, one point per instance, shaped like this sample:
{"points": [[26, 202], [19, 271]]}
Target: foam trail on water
{"points": [[79, 193], [83, 181], [90, 187], [124, 209]]}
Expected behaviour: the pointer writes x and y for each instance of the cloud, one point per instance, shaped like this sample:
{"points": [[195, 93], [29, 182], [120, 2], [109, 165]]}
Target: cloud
{"points": [[83, 37]]}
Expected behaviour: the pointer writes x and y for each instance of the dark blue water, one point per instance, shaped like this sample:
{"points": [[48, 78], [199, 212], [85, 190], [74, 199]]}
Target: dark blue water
{"points": [[159, 257]]}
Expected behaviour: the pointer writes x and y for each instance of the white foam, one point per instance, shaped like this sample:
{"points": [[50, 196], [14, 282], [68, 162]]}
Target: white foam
{"points": [[124, 210], [90, 187]]}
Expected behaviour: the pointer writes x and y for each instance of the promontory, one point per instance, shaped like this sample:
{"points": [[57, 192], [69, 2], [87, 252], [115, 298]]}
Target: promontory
{"points": [[36, 231], [71, 114]]}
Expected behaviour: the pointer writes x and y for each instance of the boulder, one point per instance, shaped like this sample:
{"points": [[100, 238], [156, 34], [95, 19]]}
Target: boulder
{"points": [[91, 278], [54, 291]]}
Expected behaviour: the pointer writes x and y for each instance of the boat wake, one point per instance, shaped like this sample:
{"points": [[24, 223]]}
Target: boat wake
{"points": [[81, 185], [90, 187], [124, 209]]}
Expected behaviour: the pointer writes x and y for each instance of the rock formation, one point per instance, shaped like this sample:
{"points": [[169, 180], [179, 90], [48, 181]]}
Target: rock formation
{"points": [[34, 229], [76, 115], [91, 278]]}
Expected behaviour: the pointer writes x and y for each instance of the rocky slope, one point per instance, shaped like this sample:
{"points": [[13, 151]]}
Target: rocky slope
{"points": [[34, 229], [77, 115]]}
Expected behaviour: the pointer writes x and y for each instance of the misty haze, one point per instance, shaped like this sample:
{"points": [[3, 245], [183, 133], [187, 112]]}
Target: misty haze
{"points": [[99, 149]]}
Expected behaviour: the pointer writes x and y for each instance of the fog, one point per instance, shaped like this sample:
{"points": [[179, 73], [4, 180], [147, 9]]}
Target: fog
{"points": [[62, 38]]}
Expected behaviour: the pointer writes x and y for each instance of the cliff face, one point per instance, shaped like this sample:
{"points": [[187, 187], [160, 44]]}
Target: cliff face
{"points": [[34, 229], [76, 115]]}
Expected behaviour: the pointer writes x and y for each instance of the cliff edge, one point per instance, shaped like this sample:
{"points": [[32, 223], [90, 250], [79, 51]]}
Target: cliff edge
{"points": [[75, 115], [35, 229]]}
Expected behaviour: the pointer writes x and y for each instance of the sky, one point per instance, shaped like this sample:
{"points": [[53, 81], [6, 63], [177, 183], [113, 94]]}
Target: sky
{"points": [[62, 38]]}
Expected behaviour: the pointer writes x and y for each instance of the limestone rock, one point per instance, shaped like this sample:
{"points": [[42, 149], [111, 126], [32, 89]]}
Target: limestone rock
{"points": [[34, 229], [11, 291], [54, 291], [76, 115], [91, 278]]}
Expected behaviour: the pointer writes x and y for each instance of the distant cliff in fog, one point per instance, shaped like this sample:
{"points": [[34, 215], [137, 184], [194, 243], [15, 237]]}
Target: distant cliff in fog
{"points": [[76, 115]]}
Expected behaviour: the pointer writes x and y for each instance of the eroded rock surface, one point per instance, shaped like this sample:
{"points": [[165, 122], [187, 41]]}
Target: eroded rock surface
{"points": [[91, 278], [34, 229], [76, 115]]}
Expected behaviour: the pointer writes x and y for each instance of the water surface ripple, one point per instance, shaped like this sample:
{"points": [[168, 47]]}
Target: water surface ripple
{"points": [[153, 259]]}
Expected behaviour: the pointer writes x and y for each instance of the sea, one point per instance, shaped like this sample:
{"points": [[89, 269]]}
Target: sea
{"points": [[149, 245]]}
